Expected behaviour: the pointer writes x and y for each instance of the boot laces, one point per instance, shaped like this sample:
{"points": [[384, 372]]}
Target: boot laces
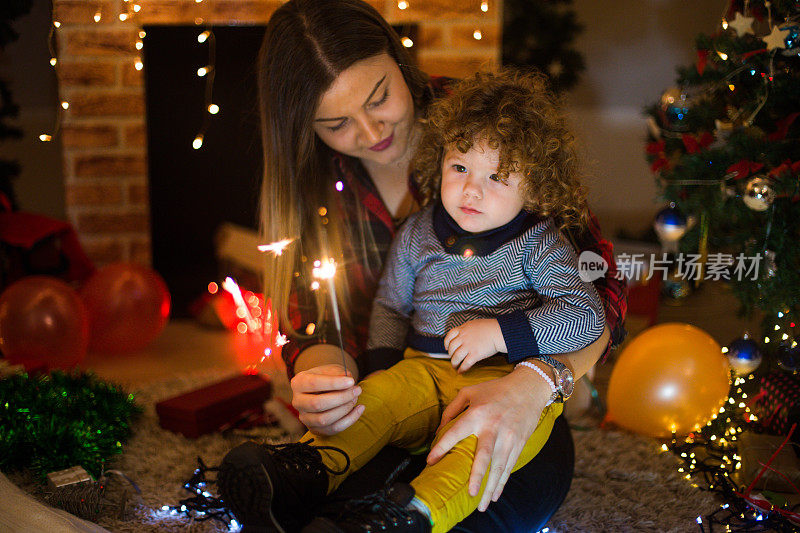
{"points": [[378, 508], [302, 455]]}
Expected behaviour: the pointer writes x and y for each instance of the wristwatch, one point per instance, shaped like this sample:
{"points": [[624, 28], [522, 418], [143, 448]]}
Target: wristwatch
{"points": [[562, 376]]}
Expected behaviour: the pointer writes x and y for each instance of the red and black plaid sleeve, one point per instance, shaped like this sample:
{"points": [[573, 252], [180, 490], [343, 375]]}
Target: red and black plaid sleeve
{"points": [[612, 288]]}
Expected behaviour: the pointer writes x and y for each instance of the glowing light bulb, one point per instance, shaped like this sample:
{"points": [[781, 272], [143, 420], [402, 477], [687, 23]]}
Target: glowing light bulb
{"points": [[213, 109], [65, 105], [485, 6], [98, 16], [53, 61], [142, 34], [723, 56], [202, 71], [310, 328], [339, 186], [402, 4], [136, 8], [45, 138], [139, 45], [213, 288], [407, 42], [314, 285], [732, 87], [203, 36], [198, 142], [138, 64], [477, 35], [123, 17], [724, 24], [57, 24]]}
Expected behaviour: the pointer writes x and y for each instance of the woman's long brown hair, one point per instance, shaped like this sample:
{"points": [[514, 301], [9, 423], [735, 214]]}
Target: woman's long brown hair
{"points": [[307, 44]]}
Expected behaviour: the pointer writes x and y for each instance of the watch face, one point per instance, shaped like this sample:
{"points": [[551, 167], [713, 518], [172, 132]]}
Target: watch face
{"points": [[566, 383]]}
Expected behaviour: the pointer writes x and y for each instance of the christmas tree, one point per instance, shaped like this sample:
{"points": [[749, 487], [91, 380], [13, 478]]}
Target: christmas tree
{"points": [[725, 146], [540, 33]]}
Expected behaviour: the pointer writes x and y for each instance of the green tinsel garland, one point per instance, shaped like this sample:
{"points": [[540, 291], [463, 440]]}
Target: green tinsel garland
{"points": [[55, 421]]}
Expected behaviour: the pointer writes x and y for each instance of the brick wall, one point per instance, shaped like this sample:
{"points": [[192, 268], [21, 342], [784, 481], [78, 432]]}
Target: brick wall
{"points": [[103, 133]]}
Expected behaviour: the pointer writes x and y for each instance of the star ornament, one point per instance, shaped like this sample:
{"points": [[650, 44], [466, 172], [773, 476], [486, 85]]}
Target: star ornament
{"points": [[776, 38], [555, 68], [743, 25]]}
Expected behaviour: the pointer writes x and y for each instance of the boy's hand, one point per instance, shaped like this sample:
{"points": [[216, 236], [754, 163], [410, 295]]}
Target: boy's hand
{"points": [[472, 341]]}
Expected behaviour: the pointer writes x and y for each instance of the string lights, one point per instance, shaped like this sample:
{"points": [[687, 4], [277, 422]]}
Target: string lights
{"points": [[51, 46], [202, 505], [709, 458], [208, 72], [133, 7], [477, 34]]}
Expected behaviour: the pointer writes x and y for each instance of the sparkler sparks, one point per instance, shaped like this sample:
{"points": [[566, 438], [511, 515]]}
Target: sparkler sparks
{"points": [[326, 270], [241, 306], [275, 247]]}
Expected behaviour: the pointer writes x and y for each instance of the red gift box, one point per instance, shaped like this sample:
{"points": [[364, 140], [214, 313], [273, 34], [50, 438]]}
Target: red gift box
{"points": [[777, 403], [212, 407]]}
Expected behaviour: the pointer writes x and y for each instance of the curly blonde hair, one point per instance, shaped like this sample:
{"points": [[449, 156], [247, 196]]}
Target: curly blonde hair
{"points": [[515, 112]]}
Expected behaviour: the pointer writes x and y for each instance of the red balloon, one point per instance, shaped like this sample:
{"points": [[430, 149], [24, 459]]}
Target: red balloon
{"points": [[128, 307], [43, 322]]}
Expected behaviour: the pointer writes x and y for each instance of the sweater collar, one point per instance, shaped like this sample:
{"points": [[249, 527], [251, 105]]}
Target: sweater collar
{"points": [[458, 241]]}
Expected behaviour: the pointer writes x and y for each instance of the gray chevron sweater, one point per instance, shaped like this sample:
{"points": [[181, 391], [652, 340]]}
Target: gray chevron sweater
{"points": [[524, 274]]}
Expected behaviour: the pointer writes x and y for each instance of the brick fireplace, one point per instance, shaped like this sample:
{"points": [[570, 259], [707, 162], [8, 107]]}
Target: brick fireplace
{"points": [[103, 131]]}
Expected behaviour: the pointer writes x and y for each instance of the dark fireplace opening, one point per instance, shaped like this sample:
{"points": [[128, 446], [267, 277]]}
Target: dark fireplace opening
{"points": [[193, 192]]}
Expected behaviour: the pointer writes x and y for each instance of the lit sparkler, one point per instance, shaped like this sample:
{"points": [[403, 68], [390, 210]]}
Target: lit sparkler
{"points": [[327, 270], [275, 247], [233, 288]]}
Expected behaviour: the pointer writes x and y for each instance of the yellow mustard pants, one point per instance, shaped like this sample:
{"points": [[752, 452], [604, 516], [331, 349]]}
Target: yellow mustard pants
{"points": [[403, 407]]}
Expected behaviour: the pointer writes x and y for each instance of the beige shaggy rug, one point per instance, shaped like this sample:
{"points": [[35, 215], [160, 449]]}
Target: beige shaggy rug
{"points": [[623, 483]]}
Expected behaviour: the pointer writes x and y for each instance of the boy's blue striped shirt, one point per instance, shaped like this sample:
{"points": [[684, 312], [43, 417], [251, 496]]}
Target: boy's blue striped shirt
{"points": [[528, 281]]}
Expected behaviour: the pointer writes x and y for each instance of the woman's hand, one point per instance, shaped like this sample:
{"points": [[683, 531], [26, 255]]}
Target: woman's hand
{"points": [[502, 413], [326, 398]]}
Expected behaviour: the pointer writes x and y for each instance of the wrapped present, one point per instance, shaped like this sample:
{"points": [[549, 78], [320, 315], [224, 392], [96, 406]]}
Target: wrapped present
{"points": [[768, 463], [777, 403], [70, 476], [214, 407]]}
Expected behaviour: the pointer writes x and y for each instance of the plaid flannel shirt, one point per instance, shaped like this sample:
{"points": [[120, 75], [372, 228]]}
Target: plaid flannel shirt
{"points": [[363, 279]]}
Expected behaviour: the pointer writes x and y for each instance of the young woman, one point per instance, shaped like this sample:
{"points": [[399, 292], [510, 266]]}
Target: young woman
{"points": [[341, 102]]}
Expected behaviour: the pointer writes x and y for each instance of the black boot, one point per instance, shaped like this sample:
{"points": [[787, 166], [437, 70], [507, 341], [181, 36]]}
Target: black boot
{"points": [[385, 510], [269, 488]]}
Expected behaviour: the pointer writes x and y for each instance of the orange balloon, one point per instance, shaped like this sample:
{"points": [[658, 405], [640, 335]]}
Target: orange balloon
{"points": [[43, 321], [671, 377], [128, 307]]}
